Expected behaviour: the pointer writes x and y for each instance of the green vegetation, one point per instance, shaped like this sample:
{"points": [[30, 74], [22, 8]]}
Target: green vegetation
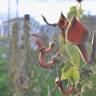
{"points": [[71, 68], [3, 72]]}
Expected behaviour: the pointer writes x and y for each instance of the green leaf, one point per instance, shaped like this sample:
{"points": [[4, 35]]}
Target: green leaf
{"points": [[74, 74], [62, 49], [65, 72], [74, 55], [71, 74], [80, 12], [73, 9]]}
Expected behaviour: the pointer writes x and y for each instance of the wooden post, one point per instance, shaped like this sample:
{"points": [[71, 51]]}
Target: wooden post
{"points": [[20, 46]]}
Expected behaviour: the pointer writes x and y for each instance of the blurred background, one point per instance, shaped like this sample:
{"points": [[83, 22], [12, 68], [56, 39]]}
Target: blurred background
{"points": [[20, 72]]}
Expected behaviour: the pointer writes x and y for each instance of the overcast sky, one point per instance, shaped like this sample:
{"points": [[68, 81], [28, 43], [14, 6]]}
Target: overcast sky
{"points": [[51, 9]]}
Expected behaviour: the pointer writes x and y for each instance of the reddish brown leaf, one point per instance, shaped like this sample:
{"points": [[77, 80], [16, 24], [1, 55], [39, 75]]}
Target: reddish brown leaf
{"points": [[76, 32], [62, 23], [43, 62]]}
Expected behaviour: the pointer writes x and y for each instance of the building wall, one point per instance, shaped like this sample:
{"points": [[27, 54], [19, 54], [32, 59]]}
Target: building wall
{"points": [[6, 27]]}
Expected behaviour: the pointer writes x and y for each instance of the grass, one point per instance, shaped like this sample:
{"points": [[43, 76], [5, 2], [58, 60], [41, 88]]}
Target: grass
{"points": [[3, 72]]}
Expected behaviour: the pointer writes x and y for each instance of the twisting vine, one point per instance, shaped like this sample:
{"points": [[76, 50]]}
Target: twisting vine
{"points": [[75, 36]]}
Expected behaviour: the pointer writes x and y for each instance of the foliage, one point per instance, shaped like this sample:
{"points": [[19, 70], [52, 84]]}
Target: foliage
{"points": [[42, 80], [70, 68], [74, 11], [3, 72]]}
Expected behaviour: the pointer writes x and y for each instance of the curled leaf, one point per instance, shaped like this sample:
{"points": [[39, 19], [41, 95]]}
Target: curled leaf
{"points": [[43, 62], [62, 23], [48, 22]]}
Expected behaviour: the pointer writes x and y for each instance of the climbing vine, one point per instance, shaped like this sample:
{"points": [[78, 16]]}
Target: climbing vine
{"points": [[76, 63]]}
